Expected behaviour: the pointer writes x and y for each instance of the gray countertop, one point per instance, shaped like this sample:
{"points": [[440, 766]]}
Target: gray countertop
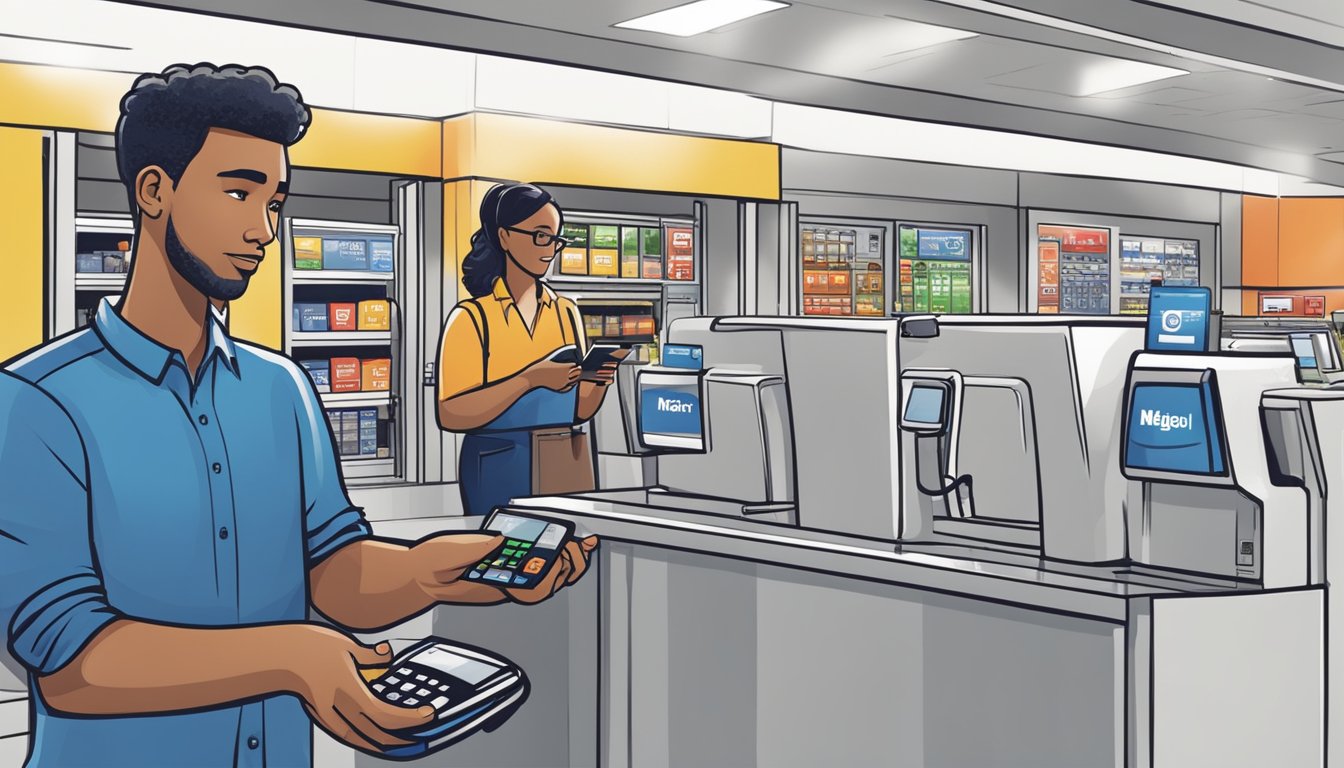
{"points": [[1093, 591], [1097, 592]]}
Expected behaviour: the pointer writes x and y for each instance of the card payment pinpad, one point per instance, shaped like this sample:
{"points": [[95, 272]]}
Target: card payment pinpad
{"points": [[470, 689]]}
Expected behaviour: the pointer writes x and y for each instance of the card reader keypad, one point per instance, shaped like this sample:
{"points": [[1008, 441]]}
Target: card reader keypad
{"points": [[411, 687]]}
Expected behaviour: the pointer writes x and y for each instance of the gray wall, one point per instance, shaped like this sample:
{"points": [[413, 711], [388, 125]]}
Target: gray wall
{"points": [[719, 251], [343, 196], [1000, 246], [825, 184]]}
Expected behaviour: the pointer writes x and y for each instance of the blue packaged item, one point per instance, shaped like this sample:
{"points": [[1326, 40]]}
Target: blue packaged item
{"points": [[368, 432], [89, 262], [345, 253], [380, 255], [312, 317], [688, 356], [320, 371], [349, 433]]}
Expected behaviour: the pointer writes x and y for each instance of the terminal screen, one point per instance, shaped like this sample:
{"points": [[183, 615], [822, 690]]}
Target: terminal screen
{"points": [[1174, 428], [671, 411], [1178, 318], [1305, 351], [461, 667], [925, 406]]}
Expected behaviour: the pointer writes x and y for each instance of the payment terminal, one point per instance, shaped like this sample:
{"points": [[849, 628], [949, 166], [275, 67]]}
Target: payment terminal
{"points": [[531, 546], [470, 689]]}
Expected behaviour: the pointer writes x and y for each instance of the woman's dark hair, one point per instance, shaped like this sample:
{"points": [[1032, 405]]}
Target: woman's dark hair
{"points": [[505, 205], [165, 116]]}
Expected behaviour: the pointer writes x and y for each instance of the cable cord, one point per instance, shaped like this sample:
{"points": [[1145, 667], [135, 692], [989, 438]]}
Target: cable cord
{"points": [[957, 482]]}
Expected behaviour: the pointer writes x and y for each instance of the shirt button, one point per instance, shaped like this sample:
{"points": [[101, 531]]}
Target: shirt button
{"points": [[223, 533], [252, 742], [217, 468], [204, 419]]}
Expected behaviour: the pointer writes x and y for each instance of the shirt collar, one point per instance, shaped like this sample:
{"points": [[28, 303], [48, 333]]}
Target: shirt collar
{"points": [[148, 357], [501, 293]]}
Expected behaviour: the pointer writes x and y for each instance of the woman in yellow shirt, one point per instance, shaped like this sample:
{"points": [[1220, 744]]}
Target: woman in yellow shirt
{"points": [[496, 383]]}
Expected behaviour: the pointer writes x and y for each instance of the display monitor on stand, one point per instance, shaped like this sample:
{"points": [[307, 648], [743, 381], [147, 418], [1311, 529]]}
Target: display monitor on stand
{"points": [[1179, 319]]}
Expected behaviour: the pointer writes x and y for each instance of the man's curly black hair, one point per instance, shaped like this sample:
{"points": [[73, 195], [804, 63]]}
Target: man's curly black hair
{"points": [[165, 116]]}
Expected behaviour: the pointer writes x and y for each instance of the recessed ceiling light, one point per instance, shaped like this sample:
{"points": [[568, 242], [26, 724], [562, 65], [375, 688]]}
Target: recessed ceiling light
{"points": [[914, 35], [700, 16], [1114, 74]]}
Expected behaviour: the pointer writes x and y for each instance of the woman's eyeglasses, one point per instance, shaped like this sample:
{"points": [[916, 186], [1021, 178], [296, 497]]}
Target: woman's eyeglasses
{"points": [[543, 239]]}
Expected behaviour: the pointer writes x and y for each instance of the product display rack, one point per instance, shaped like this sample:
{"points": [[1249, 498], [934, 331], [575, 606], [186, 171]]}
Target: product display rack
{"points": [[936, 269], [95, 234], [367, 462], [632, 305], [844, 269]]}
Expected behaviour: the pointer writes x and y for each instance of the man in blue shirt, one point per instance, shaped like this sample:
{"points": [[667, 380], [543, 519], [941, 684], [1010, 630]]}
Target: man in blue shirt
{"points": [[172, 499]]}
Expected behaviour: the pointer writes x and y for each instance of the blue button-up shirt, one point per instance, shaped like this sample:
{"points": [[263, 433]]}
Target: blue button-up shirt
{"points": [[198, 503]]}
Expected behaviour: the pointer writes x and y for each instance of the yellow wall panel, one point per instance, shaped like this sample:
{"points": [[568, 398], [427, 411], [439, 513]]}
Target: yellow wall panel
{"points": [[461, 219], [257, 315], [459, 146], [21, 305], [88, 100], [57, 97], [375, 143], [550, 151]]}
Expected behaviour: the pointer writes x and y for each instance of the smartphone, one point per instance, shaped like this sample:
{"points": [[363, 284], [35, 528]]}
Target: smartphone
{"points": [[567, 354], [531, 547], [601, 354], [470, 689]]}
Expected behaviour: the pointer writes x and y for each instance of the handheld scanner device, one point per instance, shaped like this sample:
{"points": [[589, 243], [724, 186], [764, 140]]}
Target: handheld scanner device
{"points": [[930, 409], [470, 689], [531, 546]]}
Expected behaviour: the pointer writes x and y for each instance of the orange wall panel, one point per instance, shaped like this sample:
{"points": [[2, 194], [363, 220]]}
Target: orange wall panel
{"points": [[1259, 240], [1311, 241]]}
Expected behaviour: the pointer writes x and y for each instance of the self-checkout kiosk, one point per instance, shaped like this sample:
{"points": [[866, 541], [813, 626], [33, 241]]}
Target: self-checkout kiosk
{"points": [[722, 436], [1313, 343]]}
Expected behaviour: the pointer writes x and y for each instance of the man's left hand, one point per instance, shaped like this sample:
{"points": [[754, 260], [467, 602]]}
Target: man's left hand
{"points": [[440, 562], [568, 568]]}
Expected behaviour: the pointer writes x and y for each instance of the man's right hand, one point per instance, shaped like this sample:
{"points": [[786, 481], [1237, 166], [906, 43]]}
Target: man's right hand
{"points": [[326, 666], [560, 377]]}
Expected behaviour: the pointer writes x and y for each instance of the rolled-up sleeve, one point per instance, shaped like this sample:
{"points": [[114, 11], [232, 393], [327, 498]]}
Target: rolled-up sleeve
{"points": [[52, 600], [330, 519]]}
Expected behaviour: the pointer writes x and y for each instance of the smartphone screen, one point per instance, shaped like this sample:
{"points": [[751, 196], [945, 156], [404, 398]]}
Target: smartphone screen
{"points": [[531, 547]]}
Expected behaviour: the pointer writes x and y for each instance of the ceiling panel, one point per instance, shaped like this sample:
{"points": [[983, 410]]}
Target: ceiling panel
{"points": [[1016, 75]]}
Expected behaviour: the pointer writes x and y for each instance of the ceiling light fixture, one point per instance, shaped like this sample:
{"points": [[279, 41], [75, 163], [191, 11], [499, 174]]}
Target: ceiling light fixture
{"points": [[1114, 74], [701, 16], [914, 35], [1064, 25]]}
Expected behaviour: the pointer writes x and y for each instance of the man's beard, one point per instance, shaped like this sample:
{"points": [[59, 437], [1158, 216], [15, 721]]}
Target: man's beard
{"points": [[198, 274]]}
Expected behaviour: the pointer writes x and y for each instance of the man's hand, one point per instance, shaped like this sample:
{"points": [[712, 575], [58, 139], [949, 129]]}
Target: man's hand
{"points": [[326, 665], [568, 568], [438, 563]]}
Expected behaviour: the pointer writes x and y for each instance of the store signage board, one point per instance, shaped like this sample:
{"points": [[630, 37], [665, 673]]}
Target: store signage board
{"points": [[944, 245], [688, 356]]}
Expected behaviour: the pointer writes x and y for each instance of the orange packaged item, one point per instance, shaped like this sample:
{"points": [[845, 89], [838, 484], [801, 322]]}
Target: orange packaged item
{"points": [[376, 375], [375, 315], [341, 316], [345, 374]]}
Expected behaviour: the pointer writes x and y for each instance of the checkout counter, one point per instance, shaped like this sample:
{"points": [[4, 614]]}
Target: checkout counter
{"points": [[970, 541], [950, 542]]}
